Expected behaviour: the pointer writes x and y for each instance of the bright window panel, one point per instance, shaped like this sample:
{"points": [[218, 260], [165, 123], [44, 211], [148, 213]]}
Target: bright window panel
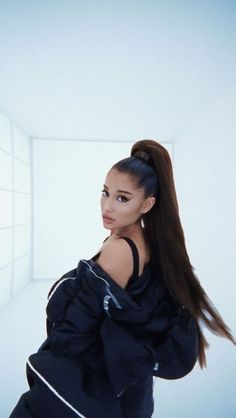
{"points": [[22, 208], [5, 246], [22, 177], [5, 170], [22, 272], [22, 145], [5, 208], [5, 133], [22, 240], [5, 285]]}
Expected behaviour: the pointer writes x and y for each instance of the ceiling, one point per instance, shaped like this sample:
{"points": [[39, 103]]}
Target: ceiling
{"points": [[114, 69]]}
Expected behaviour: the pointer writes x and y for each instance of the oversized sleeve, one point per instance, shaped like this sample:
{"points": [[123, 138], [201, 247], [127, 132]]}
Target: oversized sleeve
{"points": [[169, 355], [74, 315], [59, 297], [177, 353]]}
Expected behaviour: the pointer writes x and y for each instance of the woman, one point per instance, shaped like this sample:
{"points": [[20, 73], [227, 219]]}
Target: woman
{"points": [[129, 313]]}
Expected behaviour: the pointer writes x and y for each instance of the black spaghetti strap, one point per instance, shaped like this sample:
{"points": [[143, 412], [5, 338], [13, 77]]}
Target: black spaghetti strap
{"points": [[135, 256]]}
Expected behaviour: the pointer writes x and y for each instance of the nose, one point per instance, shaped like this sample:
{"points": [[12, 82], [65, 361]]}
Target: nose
{"points": [[107, 205]]}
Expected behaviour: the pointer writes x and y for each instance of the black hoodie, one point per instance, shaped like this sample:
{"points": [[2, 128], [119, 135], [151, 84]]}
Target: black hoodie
{"points": [[102, 339]]}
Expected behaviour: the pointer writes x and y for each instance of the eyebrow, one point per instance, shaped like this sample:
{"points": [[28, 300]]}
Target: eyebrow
{"points": [[119, 190]]}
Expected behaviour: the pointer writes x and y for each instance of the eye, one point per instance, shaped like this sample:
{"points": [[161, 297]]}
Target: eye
{"points": [[122, 199], [104, 193]]}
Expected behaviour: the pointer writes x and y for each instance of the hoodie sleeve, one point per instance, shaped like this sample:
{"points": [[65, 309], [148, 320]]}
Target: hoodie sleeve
{"points": [[177, 354], [127, 358], [59, 297], [130, 357]]}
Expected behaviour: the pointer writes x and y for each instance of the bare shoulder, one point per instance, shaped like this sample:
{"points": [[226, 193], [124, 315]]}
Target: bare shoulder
{"points": [[117, 260]]}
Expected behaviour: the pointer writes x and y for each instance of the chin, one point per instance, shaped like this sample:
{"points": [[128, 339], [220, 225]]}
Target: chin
{"points": [[107, 227]]}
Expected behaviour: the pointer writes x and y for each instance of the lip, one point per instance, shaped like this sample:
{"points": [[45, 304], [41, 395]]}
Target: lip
{"points": [[107, 218]]}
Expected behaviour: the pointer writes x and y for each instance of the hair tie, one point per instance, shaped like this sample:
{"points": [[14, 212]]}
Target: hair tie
{"points": [[144, 156]]}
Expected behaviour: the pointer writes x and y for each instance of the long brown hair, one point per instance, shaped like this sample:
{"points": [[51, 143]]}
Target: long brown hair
{"points": [[150, 163]]}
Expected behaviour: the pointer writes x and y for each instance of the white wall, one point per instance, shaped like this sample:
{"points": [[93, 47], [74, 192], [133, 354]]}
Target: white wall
{"points": [[15, 209], [205, 172]]}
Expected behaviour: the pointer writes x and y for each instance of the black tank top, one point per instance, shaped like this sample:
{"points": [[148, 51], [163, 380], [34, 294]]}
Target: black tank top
{"points": [[135, 275]]}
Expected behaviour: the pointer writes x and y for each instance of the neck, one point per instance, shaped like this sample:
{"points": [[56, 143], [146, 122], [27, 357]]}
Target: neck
{"points": [[133, 231]]}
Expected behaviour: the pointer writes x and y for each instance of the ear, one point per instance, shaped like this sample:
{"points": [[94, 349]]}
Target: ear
{"points": [[148, 204]]}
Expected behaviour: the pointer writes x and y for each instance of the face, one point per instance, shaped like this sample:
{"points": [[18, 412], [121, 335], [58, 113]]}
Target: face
{"points": [[122, 202]]}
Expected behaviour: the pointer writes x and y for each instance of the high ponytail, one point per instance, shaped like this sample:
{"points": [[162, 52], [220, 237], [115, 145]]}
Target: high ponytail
{"points": [[151, 165]]}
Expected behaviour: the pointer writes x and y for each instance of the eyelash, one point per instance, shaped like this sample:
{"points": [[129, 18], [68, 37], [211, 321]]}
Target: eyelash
{"points": [[122, 196]]}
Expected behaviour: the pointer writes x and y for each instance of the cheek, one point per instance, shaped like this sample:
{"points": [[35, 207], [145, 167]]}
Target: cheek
{"points": [[131, 210]]}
